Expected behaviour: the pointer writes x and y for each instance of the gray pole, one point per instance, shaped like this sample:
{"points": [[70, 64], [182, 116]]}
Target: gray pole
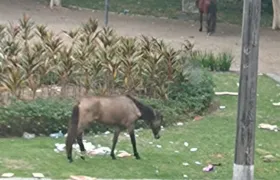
{"points": [[246, 116], [106, 11]]}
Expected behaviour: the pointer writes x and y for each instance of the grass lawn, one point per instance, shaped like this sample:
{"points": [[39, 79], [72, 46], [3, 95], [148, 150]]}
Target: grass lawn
{"points": [[214, 136], [228, 11]]}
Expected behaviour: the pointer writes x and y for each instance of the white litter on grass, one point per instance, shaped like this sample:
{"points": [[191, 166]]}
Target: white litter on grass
{"points": [[7, 175], [123, 154], [107, 132], [227, 93], [186, 144], [222, 107], [158, 146], [193, 149], [90, 148], [38, 175], [197, 162], [268, 127], [276, 104], [171, 142], [185, 176], [185, 164], [176, 151], [127, 135], [180, 124], [151, 143]]}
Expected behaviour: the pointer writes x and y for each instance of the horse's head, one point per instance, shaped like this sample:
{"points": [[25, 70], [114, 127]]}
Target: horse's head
{"points": [[156, 124]]}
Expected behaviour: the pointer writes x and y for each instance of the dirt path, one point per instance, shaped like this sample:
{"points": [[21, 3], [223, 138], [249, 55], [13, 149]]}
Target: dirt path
{"points": [[227, 36]]}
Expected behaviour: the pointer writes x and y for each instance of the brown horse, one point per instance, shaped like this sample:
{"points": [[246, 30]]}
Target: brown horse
{"points": [[121, 112], [208, 7]]}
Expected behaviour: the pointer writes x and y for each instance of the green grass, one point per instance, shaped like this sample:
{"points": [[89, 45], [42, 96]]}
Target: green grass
{"points": [[228, 11], [214, 136]]}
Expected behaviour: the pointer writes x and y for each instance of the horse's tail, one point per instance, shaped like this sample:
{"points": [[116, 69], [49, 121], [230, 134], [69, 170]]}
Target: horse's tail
{"points": [[72, 131]]}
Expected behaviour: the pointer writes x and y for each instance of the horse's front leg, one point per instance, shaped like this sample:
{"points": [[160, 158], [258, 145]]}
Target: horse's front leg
{"points": [[201, 20], [81, 144], [133, 141], [115, 140]]}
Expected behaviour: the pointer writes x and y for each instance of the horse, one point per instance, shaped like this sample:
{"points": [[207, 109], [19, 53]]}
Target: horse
{"points": [[118, 111], [208, 7]]}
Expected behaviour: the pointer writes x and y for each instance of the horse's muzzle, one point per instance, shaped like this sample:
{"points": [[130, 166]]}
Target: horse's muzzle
{"points": [[157, 136]]}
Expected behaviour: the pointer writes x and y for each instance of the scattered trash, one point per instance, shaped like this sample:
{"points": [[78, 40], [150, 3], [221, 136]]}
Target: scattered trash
{"points": [[268, 127], [227, 93], [193, 149], [237, 84], [82, 178], [157, 171], [222, 107], [127, 135], [59, 147], [57, 135], [38, 175], [90, 148], [180, 124], [8, 175], [150, 142], [185, 176], [66, 135], [125, 11], [197, 118], [124, 154], [100, 151], [262, 151], [28, 135], [176, 151], [210, 167], [107, 132], [171, 142], [158, 146], [197, 162], [185, 164], [186, 144], [270, 158], [276, 104]]}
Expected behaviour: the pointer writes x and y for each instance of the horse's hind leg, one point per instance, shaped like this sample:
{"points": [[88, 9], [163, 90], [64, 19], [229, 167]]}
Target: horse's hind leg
{"points": [[115, 140], [133, 142], [81, 144], [201, 19]]}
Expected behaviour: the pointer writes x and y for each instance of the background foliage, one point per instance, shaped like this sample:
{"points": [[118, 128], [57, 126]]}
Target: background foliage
{"points": [[44, 73]]}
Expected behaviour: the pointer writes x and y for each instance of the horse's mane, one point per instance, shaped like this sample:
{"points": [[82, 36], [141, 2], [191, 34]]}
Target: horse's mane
{"points": [[147, 112]]}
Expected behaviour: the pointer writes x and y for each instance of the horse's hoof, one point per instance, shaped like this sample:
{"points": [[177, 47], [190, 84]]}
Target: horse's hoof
{"points": [[113, 157], [82, 157], [70, 160], [200, 29], [137, 157]]}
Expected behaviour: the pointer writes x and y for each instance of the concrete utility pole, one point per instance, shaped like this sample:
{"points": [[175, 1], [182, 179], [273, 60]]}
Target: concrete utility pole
{"points": [[246, 117], [106, 11]]}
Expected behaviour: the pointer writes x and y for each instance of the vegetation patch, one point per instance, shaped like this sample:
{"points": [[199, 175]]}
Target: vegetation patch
{"points": [[213, 136], [42, 75]]}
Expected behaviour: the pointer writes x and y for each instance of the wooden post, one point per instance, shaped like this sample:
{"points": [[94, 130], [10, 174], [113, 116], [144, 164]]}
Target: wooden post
{"points": [[106, 11], [246, 117]]}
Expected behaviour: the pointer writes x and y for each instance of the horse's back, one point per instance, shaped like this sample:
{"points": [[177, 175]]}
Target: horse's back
{"points": [[204, 4], [109, 109]]}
